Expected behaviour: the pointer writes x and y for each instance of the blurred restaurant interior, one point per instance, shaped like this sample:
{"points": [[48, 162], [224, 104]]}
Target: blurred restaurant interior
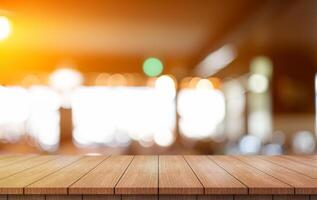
{"points": [[158, 77]]}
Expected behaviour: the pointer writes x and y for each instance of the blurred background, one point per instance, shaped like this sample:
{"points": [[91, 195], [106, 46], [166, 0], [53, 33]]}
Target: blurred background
{"points": [[158, 77]]}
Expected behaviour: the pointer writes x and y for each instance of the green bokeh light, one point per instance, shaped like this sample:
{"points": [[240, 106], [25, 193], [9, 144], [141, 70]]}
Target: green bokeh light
{"points": [[152, 67]]}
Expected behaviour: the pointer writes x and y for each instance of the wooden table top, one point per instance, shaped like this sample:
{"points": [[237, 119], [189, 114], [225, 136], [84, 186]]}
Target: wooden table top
{"points": [[158, 175]]}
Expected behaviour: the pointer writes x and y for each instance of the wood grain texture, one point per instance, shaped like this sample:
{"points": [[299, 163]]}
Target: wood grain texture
{"points": [[214, 178], [302, 184], [313, 197], [102, 179], [257, 181], [26, 197], [8, 160], [63, 197], [15, 184], [215, 197], [291, 197], [177, 197], [253, 197], [141, 177], [20, 166], [307, 170], [101, 197], [176, 177], [140, 197], [303, 159], [3, 197], [58, 182]]}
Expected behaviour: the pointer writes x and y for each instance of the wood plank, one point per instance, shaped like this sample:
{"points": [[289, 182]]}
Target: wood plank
{"points": [[20, 166], [26, 197], [313, 197], [302, 159], [177, 197], [101, 197], [307, 170], [291, 197], [63, 197], [176, 177], [214, 178], [14, 184], [253, 197], [215, 197], [102, 179], [141, 177], [8, 160], [140, 197], [58, 182], [302, 184], [5, 156], [3, 197], [257, 181]]}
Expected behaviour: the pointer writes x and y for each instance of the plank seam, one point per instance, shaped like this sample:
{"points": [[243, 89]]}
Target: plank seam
{"points": [[51, 174], [28, 167], [286, 167], [299, 162], [195, 174], [86, 173], [125, 170], [15, 162], [209, 157], [265, 173]]}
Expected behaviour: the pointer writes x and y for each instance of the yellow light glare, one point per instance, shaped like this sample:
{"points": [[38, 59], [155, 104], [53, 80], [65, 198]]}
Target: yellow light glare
{"points": [[5, 27]]}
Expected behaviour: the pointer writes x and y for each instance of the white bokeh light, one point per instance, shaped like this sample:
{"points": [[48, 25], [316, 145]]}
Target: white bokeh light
{"points": [[201, 111], [5, 27], [258, 83]]}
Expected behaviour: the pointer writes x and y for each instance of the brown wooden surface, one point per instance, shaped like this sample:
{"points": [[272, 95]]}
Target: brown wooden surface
{"points": [[32, 177], [141, 177], [293, 165], [16, 167], [10, 159], [303, 159], [14, 184], [214, 178], [176, 177], [257, 181], [102, 179], [58, 182], [302, 184]]}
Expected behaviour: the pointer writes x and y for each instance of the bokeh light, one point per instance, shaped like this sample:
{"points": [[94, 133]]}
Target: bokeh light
{"points": [[304, 142], [262, 65], [65, 79], [5, 27], [258, 83], [250, 144], [152, 67]]}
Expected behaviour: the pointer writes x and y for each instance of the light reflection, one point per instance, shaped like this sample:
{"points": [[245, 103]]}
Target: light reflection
{"points": [[217, 60]]}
